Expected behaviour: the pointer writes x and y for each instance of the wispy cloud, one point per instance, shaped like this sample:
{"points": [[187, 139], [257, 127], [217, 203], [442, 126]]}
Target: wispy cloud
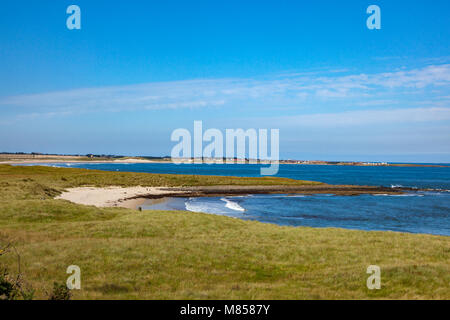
{"points": [[366, 117], [287, 90]]}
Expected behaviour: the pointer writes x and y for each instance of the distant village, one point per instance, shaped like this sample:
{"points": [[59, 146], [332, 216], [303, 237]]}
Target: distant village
{"points": [[5, 156], [37, 155]]}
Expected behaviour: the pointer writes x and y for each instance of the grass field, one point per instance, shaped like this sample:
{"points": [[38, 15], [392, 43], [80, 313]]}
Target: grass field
{"points": [[127, 254]]}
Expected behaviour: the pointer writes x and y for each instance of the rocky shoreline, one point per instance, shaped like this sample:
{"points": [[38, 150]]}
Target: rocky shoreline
{"points": [[218, 191]]}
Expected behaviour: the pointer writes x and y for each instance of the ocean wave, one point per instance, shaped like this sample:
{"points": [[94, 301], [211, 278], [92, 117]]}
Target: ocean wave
{"points": [[396, 186], [399, 195], [197, 207], [438, 190], [232, 205], [289, 196], [214, 207]]}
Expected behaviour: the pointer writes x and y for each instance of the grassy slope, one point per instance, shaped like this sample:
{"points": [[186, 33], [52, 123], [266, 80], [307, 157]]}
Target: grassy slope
{"points": [[129, 254]]}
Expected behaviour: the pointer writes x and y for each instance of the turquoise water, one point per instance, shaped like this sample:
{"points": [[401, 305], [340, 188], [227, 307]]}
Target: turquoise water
{"points": [[415, 212]]}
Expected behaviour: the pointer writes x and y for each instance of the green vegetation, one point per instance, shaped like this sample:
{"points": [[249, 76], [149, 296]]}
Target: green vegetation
{"points": [[41, 182], [125, 254]]}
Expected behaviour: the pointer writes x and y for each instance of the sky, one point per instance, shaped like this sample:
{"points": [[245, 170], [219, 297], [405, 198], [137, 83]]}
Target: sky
{"points": [[138, 70]]}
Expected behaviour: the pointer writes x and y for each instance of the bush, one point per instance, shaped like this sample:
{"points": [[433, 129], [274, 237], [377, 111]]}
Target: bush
{"points": [[60, 292], [11, 288], [8, 290]]}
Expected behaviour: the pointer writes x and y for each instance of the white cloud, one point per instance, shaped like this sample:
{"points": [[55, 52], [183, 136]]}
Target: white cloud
{"points": [[366, 117], [294, 90]]}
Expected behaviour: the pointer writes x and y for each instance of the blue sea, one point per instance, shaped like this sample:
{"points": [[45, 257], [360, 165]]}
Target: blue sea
{"points": [[415, 212]]}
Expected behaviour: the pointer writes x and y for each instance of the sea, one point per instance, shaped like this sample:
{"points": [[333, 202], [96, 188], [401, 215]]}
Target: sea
{"points": [[426, 211]]}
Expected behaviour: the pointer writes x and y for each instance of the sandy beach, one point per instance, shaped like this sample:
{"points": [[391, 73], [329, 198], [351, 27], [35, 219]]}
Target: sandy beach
{"points": [[39, 161], [130, 197]]}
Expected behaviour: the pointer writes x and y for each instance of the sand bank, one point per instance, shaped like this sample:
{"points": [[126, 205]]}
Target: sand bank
{"points": [[130, 197], [46, 161]]}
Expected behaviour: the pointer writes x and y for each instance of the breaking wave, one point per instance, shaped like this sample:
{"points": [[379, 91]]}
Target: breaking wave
{"points": [[232, 205]]}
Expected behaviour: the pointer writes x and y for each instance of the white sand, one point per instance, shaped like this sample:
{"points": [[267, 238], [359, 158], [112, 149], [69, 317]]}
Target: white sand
{"points": [[111, 196]]}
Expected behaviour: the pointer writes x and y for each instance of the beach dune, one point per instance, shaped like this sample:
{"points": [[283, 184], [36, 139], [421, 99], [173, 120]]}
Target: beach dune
{"points": [[130, 197]]}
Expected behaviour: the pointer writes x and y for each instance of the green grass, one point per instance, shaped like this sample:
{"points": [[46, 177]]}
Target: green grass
{"points": [[127, 254], [24, 182]]}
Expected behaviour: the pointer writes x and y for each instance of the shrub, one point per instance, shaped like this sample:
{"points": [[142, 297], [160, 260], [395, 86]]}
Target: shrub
{"points": [[60, 292], [13, 287], [8, 289]]}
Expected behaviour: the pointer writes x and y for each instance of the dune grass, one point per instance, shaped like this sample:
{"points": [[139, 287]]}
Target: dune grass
{"points": [[31, 181], [127, 254]]}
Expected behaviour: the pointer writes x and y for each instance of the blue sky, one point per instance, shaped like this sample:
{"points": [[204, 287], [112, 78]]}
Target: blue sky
{"points": [[137, 70]]}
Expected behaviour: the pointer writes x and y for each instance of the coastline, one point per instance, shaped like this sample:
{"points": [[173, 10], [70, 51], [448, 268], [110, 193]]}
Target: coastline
{"points": [[37, 162], [133, 197], [132, 160], [113, 196], [178, 246]]}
